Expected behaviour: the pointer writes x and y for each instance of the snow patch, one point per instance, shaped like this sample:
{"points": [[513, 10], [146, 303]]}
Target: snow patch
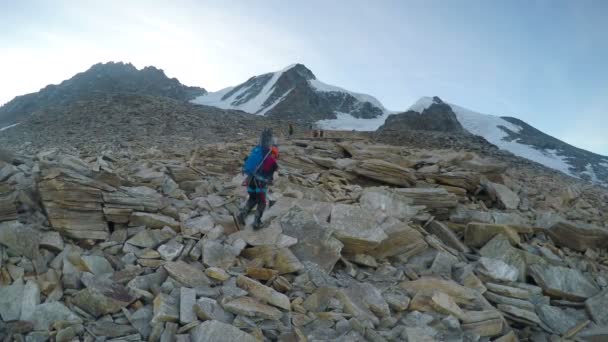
{"points": [[422, 104], [254, 105], [7, 127], [347, 122], [591, 173], [279, 100], [324, 87]]}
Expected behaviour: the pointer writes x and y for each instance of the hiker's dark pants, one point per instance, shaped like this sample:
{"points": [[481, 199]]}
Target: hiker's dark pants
{"points": [[257, 197]]}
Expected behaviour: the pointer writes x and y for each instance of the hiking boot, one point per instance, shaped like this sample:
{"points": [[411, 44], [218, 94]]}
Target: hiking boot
{"points": [[257, 222], [242, 215]]}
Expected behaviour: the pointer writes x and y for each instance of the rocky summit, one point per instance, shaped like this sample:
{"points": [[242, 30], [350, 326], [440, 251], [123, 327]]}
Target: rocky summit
{"points": [[134, 241], [100, 79]]}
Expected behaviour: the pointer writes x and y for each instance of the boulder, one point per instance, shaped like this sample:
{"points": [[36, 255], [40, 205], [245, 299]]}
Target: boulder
{"points": [[250, 307], [357, 228], [387, 202], [216, 254], [166, 309], [577, 236], [556, 319], [209, 309], [150, 238], [497, 270], [315, 242], [187, 300], [186, 274], [506, 198]]}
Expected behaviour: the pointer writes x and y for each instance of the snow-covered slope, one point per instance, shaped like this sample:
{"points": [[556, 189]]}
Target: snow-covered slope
{"points": [[523, 140], [294, 93]]}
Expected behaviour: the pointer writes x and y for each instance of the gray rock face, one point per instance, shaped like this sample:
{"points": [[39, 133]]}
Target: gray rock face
{"points": [[209, 309], [48, 313], [216, 331], [556, 318], [597, 307], [19, 239], [10, 301], [358, 229], [437, 117], [563, 282]]}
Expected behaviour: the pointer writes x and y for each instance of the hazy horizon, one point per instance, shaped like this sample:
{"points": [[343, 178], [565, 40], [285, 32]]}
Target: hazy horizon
{"points": [[541, 61]]}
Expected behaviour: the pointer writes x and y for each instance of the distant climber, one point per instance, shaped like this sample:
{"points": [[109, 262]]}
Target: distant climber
{"points": [[259, 167], [290, 130]]}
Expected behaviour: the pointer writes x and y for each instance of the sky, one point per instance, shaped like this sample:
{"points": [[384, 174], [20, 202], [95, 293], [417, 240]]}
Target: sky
{"points": [[543, 61]]}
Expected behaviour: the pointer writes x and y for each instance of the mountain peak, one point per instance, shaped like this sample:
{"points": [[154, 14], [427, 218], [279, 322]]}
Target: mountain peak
{"points": [[100, 78]]}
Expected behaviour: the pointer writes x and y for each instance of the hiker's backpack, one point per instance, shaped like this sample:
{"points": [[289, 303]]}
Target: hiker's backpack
{"points": [[254, 161]]}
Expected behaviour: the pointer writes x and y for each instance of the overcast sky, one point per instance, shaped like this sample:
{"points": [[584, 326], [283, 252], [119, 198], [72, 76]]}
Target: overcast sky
{"points": [[544, 61]]}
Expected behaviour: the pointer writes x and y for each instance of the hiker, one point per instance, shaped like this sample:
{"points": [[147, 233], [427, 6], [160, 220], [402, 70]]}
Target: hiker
{"points": [[290, 130], [260, 167]]}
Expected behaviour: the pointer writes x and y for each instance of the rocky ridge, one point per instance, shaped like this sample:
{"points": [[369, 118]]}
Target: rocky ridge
{"points": [[365, 242], [100, 79]]}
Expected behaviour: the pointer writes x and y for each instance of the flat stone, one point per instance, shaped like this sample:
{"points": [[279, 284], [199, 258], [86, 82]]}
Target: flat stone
{"points": [[261, 273], [110, 329], [209, 309], [264, 293], [483, 323], [444, 304], [498, 299], [30, 300], [187, 300], [215, 331], [200, 224], [45, 315], [500, 248], [315, 242], [186, 274], [357, 228], [217, 273], [397, 302], [165, 309], [10, 301], [52, 241], [102, 297], [497, 270], [562, 282], [97, 265], [385, 172], [401, 239], [383, 200], [216, 254], [281, 259], [597, 307], [150, 238], [250, 307], [459, 293], [154, 221], [478, 234], [171, 250], [508, 291], [556, 319], [526, 315]]}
